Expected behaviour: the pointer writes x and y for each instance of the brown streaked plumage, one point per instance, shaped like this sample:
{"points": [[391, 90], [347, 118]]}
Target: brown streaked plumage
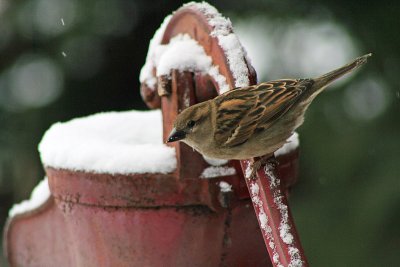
{"points": [[252, 121]]}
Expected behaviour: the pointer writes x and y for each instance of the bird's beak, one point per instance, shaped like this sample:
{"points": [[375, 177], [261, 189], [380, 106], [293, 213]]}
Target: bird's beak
{"points": [[176, 135]]}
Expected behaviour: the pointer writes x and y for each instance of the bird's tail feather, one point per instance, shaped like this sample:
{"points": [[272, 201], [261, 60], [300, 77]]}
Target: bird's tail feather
{"points": [[322, 81]]}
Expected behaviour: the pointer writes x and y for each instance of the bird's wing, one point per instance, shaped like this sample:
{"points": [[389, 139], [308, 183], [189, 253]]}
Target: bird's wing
{"points": [[243, 111]]}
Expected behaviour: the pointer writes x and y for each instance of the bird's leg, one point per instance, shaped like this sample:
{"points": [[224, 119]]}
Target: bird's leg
{"points": [[256, 165]]}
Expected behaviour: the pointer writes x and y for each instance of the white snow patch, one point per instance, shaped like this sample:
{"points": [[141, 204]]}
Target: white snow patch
{"points": [[215, 171], [291, 144], [219, 78], [235, 54], [254, 188], [256, 200], [228, 41], [263, 219], [225, 187], [271, 244], [214, 161], [111, 142], [286, 236], [38, 197], [273, 179], [146, 74], [295, 259], [183, 53], [284, 227], [248, 170]]}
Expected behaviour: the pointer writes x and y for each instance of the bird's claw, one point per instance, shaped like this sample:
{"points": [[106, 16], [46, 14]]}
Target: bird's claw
{"points": [[257, 164], [272, 161]]}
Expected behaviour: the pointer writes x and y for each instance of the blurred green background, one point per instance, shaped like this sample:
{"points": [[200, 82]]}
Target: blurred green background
{"points": [[347, 201]]}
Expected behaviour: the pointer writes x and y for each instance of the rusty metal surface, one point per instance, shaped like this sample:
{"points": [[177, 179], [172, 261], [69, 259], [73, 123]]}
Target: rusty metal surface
{"points": [[128, 215], [274, 216], [153, 190], [38, 238], [70, 234]]}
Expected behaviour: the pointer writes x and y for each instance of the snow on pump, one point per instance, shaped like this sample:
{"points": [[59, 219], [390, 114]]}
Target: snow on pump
{"points": [[116, 195]]}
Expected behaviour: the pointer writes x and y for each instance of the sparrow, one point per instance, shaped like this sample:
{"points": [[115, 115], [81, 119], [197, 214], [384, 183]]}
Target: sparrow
{"points": [[252, 121]]}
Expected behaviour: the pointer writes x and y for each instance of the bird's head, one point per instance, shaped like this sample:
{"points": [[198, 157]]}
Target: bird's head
{"points": [[192, 124]]}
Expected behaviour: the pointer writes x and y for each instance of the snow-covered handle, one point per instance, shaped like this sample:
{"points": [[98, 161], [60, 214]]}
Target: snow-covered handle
{"points": [[274, 217]]}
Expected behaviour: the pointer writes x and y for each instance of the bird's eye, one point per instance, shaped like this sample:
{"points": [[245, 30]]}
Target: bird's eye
{"points": [[191, 123]]}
